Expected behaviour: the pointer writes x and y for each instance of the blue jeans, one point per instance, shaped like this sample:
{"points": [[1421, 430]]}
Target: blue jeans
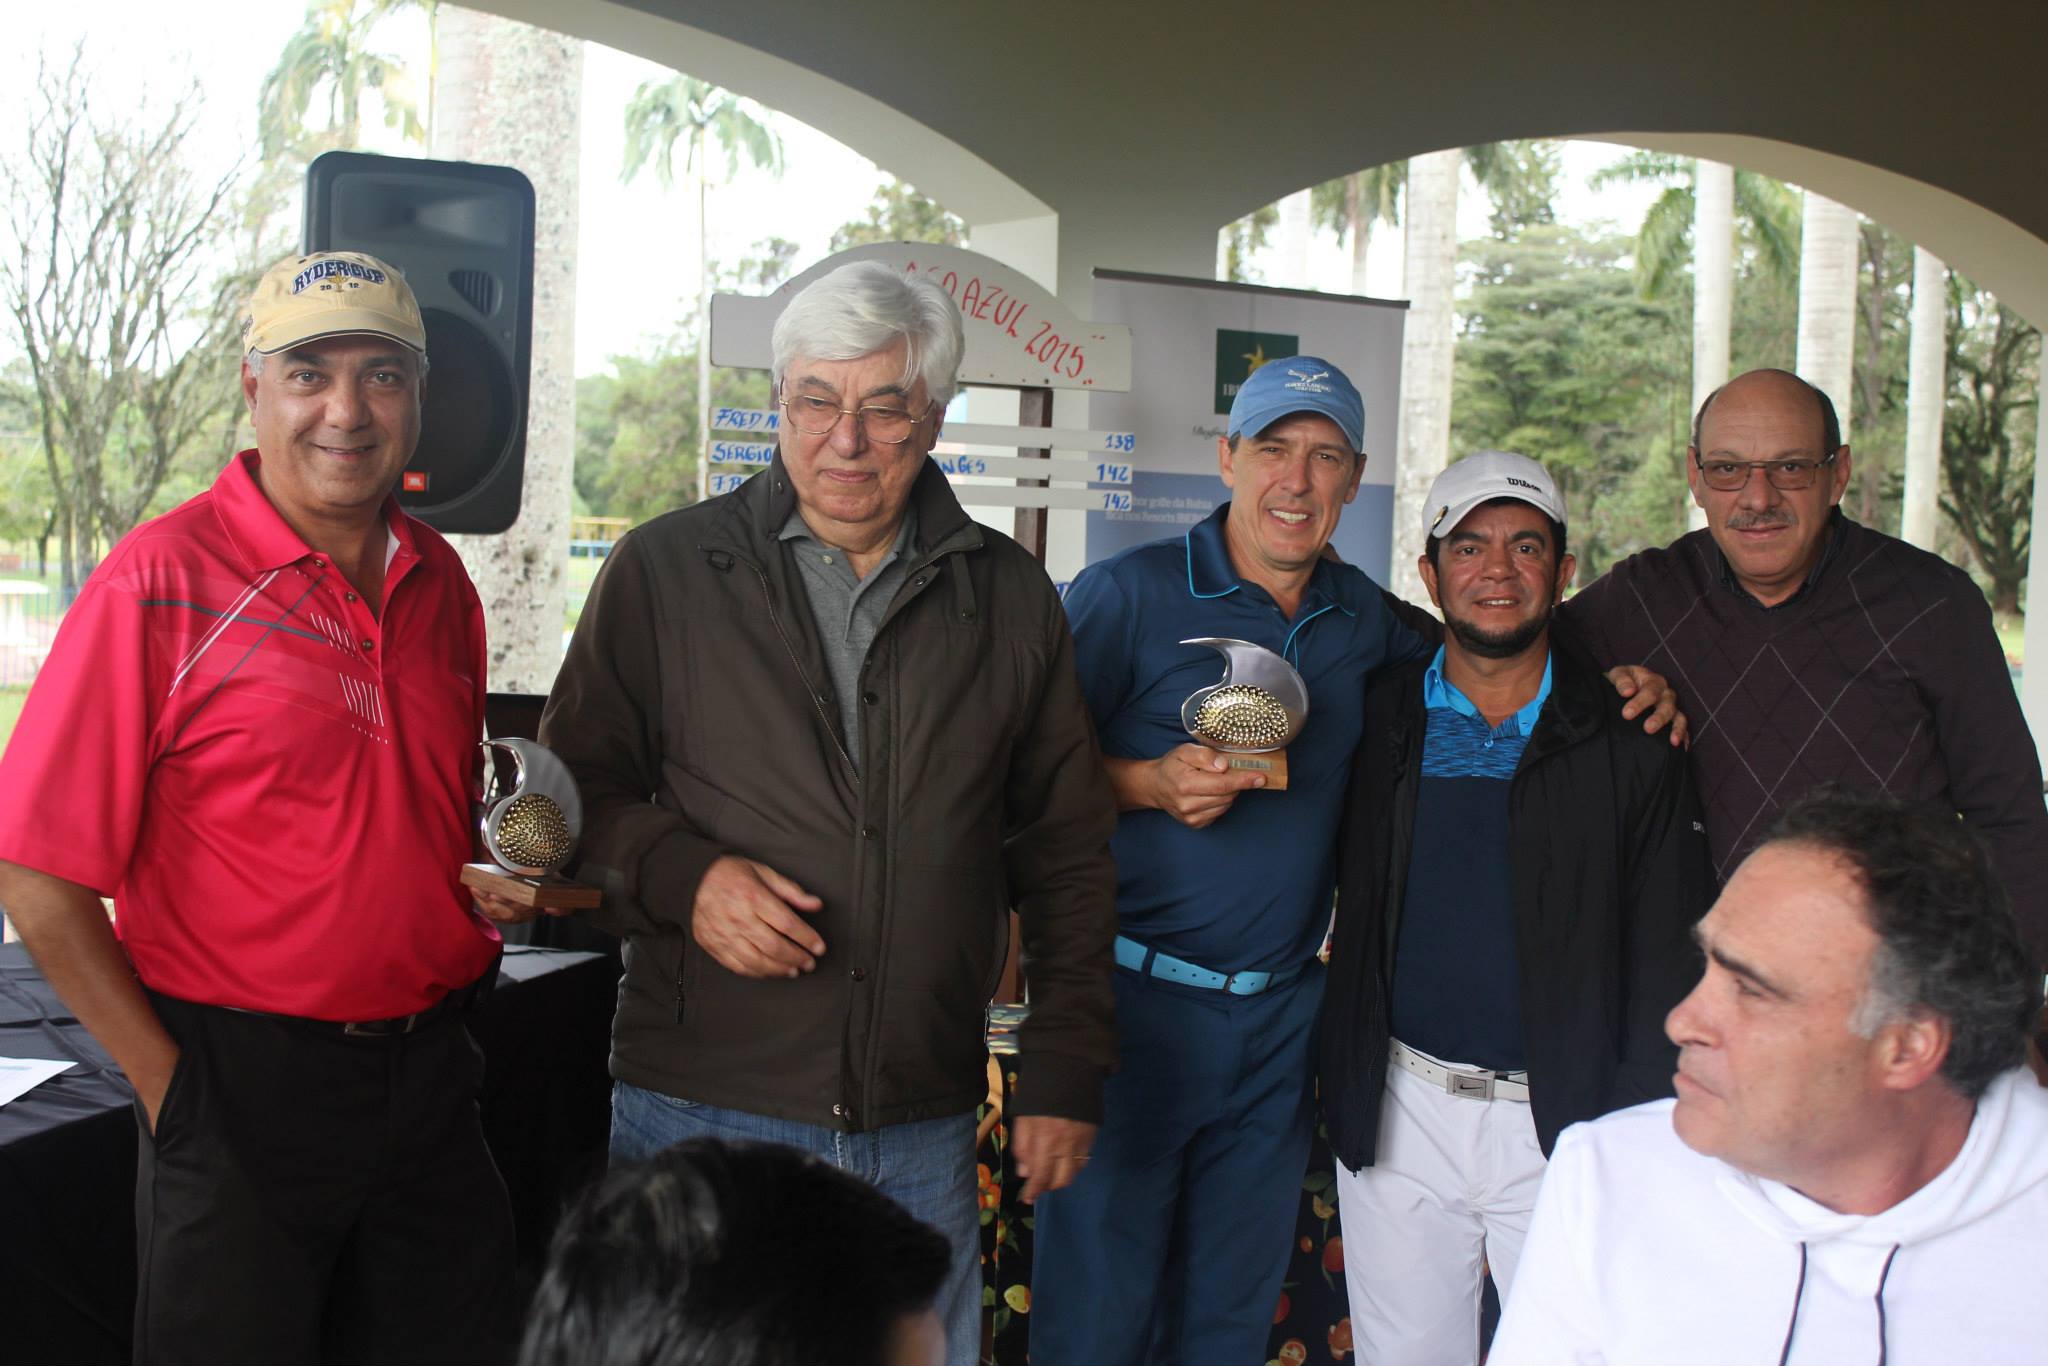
{"points": [[926, 1166]]}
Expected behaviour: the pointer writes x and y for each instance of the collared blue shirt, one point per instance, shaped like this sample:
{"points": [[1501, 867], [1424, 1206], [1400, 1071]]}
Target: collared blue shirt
{"points": [[1456, 982], [1251, 891], [1476, 747]]}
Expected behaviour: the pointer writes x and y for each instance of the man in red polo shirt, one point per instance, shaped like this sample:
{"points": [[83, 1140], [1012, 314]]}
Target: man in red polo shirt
{"points": [[257, 732]]}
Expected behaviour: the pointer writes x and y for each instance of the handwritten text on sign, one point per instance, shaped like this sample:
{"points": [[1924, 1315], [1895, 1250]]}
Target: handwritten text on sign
{"points": [[747, 419], [742, 452], [726, 483], [988, 302]]}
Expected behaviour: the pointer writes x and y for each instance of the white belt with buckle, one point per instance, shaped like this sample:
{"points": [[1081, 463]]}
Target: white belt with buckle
{"points": [[1473, 1084]]}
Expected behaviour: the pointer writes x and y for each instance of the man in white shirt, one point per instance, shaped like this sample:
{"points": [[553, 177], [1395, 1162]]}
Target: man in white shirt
{"points": [[1856, 1165]]}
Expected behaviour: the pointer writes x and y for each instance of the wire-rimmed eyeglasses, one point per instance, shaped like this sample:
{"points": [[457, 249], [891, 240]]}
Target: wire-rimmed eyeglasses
{"points": [[815, 416]]}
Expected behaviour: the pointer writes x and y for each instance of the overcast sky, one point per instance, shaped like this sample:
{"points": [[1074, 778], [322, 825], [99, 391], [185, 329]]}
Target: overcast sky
{"points": [[629, 291]]}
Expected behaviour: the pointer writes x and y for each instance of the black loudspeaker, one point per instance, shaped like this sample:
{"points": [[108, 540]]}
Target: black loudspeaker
{"points": [[463, 236]]}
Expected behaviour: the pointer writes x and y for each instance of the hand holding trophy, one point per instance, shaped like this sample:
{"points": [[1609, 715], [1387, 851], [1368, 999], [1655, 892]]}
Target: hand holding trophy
{"points": [[1251, 715], [530, 832]]}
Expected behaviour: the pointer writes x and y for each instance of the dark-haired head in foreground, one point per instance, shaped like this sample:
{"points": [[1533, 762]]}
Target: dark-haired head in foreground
{"points": [[1865, 983], [727, 1254]]}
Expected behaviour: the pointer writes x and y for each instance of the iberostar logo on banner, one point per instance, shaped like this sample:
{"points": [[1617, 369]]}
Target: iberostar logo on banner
{"points": [[1240, 353]]}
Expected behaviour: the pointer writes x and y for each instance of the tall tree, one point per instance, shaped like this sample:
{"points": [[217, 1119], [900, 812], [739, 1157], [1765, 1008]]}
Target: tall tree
{"points": [[1520, 177], [1765, 213], [330, 59], [1560, 359], [1883, 301], [110, 279], [1705, 208], [1927, 386], [898, 213], [512, 94], [1987, 437], [1828, 243], [1243, 239], [1350, 206], [1426, 352], [699, 115]]}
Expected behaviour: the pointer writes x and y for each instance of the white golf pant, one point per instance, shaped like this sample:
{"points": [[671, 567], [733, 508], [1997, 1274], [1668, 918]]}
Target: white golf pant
{"points": [[1450, 1193]]}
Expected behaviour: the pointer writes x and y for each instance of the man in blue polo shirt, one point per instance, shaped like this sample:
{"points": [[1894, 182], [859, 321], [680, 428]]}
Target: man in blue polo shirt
{"points": [[1180, 1225], [1519, 873]]}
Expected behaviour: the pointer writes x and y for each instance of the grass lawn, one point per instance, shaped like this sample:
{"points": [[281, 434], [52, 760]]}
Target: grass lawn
{"points": [[10, 711]]}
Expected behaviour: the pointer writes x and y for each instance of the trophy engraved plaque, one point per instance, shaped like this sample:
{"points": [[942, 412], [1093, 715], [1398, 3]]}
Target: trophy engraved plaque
{"points": [[1251, 715], [531, 831]]}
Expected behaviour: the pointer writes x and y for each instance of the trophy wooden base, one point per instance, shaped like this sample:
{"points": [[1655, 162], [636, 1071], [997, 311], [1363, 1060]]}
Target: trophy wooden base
{"points": [[1272, 763], [549, 893]]}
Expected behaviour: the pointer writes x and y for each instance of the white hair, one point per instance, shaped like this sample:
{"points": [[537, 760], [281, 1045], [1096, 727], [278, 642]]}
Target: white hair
{"points": [[865, 307]]}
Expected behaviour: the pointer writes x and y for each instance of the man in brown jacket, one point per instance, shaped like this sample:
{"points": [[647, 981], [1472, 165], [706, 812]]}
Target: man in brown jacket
{"points": [[828, 732]]}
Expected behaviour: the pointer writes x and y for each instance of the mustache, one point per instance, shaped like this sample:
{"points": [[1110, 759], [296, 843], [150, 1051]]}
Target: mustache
{"points": [[1748, 521]]}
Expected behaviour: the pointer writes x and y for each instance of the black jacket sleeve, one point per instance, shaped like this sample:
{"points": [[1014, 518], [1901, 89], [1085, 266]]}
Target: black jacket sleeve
{"points": [[603, 719], [1669, 885], [1059, 817]]}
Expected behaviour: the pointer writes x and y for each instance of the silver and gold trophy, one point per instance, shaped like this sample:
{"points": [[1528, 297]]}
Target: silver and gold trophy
{"points": [[1251, 715], [530, 831]]}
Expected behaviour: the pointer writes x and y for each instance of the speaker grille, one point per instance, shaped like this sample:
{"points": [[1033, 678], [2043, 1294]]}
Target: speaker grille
{"points": [[479, 289]]}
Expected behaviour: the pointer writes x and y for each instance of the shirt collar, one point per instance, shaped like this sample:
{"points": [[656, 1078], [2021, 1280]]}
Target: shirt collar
{"points": [[262, 535], [797, 529], [1829, 549], [1212, 575], [1439, 692]]}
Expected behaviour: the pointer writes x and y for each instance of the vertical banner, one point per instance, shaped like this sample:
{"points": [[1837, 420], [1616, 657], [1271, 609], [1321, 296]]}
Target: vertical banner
{"points": [[1193, 343]]}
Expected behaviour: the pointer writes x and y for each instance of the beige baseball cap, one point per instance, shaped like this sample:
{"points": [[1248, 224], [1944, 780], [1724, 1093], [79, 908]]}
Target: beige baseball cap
{"points": [[331, 294]]}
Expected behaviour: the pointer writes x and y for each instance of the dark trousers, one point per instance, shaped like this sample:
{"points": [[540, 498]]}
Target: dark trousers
{"points": [[314, 1197], [1172, 1244]]}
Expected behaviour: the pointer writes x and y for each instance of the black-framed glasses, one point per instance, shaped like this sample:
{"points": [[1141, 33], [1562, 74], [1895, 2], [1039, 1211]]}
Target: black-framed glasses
{"points": [[1787, 476], [815, 416]]}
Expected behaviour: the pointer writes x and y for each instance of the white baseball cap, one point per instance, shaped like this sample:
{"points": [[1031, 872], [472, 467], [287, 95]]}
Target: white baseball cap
{"points": [[1483, 477]]}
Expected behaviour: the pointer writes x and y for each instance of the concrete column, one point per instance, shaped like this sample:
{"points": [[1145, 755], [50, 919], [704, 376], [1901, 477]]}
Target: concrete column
{"points": [[2034, 676], [1926, 396]]}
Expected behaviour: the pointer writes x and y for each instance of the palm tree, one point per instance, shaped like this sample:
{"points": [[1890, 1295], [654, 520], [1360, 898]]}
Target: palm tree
{"points": [[1926, 395], [1827, 300], [1353, 203], [696, 113], [1705, 205], [330, 55], [1520, 177], [511, 94], [1765, 214], [1430, 271]]}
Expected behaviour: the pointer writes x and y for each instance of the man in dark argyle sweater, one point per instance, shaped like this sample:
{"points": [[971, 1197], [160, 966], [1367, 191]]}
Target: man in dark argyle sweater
{"points": [[1811, 650]]}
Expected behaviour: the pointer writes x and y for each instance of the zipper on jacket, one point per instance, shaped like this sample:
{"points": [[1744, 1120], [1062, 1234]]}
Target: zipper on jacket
{"points": [[679, 994], [768, 596]]}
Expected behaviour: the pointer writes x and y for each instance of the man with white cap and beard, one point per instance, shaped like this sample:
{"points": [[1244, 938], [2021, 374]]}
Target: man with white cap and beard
{"points": [[1519, 871]]}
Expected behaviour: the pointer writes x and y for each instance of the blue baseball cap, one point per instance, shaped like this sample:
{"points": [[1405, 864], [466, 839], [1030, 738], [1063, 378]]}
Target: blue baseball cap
{"points": [[1298, 384]]}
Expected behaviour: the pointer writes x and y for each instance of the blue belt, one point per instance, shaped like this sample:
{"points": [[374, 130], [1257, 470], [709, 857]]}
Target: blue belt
{"points": [[1142, 958]]}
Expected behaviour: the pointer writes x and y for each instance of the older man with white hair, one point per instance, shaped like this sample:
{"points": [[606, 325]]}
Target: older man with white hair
{"points": [[828, 733]]}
